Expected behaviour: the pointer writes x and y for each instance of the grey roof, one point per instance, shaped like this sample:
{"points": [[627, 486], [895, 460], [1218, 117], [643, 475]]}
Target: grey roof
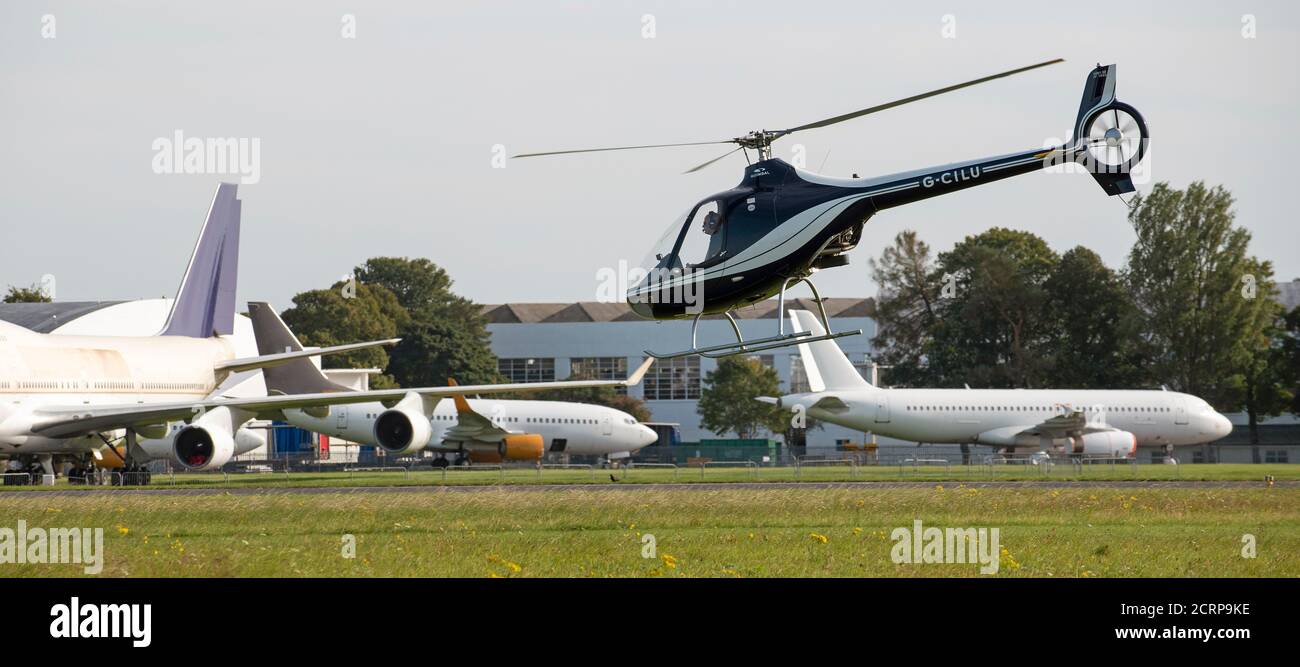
{"points": [[46, 317], [595, 311]]}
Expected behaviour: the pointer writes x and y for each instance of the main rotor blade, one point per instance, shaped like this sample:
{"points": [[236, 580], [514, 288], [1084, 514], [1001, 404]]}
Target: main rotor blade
{"points": [[895, 103], [623, 148], [701, 166]]}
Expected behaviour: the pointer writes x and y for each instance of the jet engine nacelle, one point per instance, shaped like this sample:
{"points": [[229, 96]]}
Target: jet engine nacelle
{"points": [[522, 447], [403, 429], [513, 447], [246, 440], [208, 442], [1116, 444]]}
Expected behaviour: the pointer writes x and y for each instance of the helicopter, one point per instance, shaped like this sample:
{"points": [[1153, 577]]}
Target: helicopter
{"points": [[781, 224]]}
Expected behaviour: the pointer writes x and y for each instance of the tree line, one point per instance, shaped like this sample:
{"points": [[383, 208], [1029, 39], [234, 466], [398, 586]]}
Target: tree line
{"points": [[444, 335], [1191, 310]]}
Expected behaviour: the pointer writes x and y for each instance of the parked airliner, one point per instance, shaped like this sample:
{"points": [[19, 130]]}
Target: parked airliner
{"points": [[1106, 423], [480, 430], [66, 396]]}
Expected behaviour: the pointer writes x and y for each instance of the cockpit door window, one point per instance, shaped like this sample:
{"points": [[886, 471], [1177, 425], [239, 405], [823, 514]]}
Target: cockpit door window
{"points": [[705, 240]]}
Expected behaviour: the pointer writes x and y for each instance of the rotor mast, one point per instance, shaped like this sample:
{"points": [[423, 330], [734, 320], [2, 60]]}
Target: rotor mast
{"points": [[760, 141]]}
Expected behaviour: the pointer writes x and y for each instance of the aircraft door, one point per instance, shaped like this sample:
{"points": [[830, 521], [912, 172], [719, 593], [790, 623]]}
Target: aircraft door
{"points": [[1180, 412], [749, 218], [342, 412], [606, 426], [882, 407]]}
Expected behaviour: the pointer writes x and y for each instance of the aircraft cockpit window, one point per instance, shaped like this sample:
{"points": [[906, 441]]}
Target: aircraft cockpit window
{"points": [[704, 241]]}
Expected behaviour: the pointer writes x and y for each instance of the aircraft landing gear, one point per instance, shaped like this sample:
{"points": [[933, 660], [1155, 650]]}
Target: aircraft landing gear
{"points": [[462, 459], [29, 470], [781, 339], [132, 474], [440, 462], [16, 474]]}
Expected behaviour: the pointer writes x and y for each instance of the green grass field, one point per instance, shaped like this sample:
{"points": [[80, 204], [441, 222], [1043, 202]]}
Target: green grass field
{"points": [[423, 476], [737, 532]]}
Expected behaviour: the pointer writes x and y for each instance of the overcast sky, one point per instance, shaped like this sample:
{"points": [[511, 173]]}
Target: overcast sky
{"points": [[383, 144]]}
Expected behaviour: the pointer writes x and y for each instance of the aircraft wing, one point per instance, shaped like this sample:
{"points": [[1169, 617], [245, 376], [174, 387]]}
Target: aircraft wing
{"points": [[471, 425], [830, 404], [1059, 426], [76, 420]]}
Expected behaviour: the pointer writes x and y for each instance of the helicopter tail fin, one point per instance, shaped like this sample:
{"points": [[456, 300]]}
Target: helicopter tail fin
{"points": [[1099, 93]]}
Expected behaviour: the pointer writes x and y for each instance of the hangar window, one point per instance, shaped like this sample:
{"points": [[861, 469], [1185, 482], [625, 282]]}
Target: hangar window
{"points": [[527, 369], [798, 376], [599, 368], [673, 380]]}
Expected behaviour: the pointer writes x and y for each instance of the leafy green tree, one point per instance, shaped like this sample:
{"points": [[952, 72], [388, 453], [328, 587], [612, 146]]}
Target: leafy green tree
{"points": [[445, 334], [434, 350], [33, 294], [422, 287], [991, 329], [1288, 357], [727, 401], [348, 314], [906, 308], [1096, 325], [1195, 287], [1265, 381]]}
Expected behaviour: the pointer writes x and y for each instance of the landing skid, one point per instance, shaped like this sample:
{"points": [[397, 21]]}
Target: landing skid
{"points": [[781, 339]]}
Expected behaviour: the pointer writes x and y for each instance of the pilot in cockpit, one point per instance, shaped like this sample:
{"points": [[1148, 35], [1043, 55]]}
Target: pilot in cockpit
{"points": [[713, 225]]}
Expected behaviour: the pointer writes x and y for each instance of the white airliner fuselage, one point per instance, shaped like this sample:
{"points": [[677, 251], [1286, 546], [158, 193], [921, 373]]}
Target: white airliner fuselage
{"points": [[1089, 422], [999, 416], [571, 428], [38, 370]]}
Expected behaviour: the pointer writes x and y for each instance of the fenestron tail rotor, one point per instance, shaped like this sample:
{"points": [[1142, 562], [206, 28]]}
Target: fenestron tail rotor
{"points": [[761, 140], [1116, 137]]}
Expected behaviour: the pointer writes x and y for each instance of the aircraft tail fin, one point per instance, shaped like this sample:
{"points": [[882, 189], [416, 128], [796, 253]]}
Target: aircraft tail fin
{"points": [[299, 376], [1099, 95], [205, 302], [824, 362]]}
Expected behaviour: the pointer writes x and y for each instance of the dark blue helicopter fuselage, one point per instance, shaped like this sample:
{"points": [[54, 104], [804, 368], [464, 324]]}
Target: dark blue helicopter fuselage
{"points": [[782, 223]]}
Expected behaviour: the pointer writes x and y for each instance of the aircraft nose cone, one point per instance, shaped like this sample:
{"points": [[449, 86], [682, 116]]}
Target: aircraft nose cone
{"points": [[648, 435], [1222, 426]]}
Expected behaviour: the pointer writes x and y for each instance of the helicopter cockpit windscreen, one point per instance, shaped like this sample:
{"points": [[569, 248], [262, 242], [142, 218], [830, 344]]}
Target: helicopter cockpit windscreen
{"points": [[714, 230], [661, 256], [704, 241]]}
